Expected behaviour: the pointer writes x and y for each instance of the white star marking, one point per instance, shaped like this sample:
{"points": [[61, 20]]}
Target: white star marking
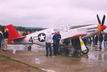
{"points": [[42, 37]]}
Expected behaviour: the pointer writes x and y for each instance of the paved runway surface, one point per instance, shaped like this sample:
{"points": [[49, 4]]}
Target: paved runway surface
{"points": [[95, 61]]}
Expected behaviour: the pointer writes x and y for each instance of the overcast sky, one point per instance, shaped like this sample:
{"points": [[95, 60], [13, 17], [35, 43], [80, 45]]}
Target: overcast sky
{"points": [[49, 13]]}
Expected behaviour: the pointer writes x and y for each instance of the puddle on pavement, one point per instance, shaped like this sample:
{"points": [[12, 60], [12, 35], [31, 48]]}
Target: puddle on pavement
{"points": [[99, 56], [47, 70], [37, 60]]}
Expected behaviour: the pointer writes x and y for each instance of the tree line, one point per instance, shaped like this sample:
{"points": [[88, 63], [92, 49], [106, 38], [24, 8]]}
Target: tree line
{"points": [[25, 29]]}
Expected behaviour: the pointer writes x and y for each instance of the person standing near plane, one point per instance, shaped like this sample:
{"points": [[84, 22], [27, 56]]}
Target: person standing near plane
{"points": [[56, 40], [76, 45], [100, 39], [95, 40], [1, 39], [5, 34], [49, 45], [105, 40], [30, 46]]}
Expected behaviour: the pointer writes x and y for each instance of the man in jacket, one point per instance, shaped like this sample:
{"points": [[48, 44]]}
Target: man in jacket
{"points": [[1, 39], [49, 45], [56, 40]]}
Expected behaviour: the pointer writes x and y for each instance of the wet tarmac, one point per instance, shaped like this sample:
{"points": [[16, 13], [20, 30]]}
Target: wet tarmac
{"points": [[95, 61]]}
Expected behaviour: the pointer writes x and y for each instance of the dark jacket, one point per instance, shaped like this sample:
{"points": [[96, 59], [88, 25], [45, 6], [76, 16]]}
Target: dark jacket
{"points": [[5, 34], [1, 37], [76, 43], [100, 37], [105, 37], [96, 40], [56, 38]]}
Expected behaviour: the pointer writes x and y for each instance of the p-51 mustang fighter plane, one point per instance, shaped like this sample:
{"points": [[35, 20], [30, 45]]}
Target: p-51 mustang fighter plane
{"points": [[39, 37]]}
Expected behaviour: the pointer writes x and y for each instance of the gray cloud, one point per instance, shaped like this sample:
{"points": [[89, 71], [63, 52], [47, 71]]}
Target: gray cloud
{"points": [[91, 4], [49, 13]]}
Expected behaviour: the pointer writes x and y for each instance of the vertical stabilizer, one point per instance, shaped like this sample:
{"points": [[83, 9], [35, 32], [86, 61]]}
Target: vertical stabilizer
{"points": [[12, 33]]}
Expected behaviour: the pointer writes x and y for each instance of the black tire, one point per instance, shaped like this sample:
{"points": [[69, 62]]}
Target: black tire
{"points": [[29, 48], [85, 51]]}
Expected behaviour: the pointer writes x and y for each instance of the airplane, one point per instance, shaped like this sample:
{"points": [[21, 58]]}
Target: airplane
{"points": [[14, 38], [39, 37]]}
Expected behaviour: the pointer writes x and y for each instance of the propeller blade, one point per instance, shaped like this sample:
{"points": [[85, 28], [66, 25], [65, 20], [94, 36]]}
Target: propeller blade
{"points": [[103, 20], [98, 19]]}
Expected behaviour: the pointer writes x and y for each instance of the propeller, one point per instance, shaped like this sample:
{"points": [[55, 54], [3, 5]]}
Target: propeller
{"points": [[101, 26], [98, 19], [103, 20]]}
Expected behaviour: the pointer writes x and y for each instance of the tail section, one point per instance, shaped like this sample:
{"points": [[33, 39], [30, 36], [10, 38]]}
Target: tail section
{"points": [[12, 33]]}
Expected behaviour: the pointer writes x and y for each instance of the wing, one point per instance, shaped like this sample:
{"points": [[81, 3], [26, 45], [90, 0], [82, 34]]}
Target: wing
{"points": [[79, 31]]}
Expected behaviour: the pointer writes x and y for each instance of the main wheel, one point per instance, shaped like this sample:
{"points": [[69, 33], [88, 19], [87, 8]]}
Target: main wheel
{"points": [[85, 51]]}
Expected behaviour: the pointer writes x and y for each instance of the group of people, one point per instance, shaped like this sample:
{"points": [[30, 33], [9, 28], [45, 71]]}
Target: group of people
{"points": [[52, 44], [97, 40]]}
